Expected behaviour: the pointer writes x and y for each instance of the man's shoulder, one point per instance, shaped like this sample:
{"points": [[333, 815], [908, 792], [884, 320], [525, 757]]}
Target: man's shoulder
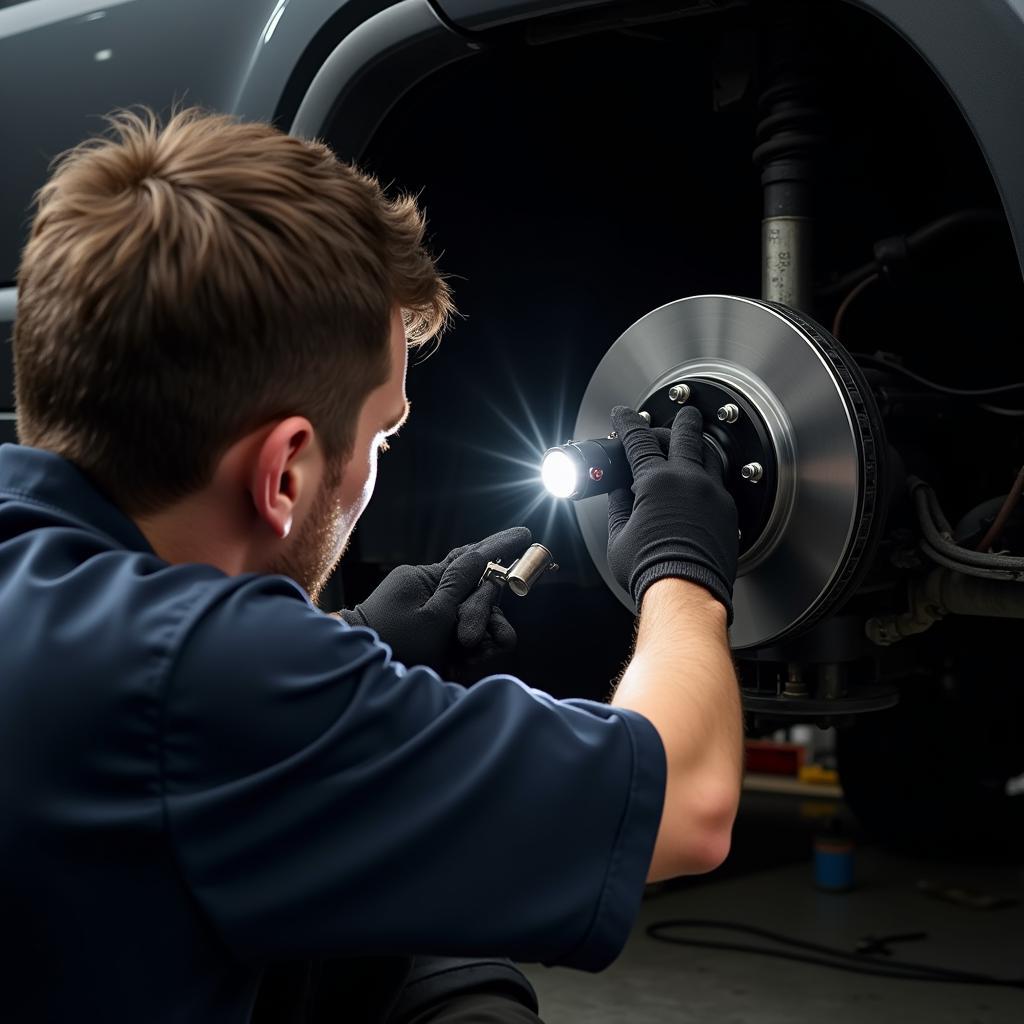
{"points": [[253, 627], [142, 596], [246, 630], [201, 595], [124, 615], [257, 676]]}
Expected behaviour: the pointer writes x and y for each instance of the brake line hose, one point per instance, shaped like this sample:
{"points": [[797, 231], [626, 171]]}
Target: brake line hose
{"points": [[938, 540]]}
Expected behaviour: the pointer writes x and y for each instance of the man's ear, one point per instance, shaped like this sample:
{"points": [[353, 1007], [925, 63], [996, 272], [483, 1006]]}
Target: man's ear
{"points": [[287, 466]]}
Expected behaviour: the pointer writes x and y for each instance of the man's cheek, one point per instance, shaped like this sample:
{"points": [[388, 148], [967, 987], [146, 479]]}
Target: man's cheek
{"points": [[369, 483]]}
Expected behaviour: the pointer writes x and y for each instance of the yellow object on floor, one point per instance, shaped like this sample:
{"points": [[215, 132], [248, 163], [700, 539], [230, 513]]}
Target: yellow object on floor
{"points": [[818, 774]]}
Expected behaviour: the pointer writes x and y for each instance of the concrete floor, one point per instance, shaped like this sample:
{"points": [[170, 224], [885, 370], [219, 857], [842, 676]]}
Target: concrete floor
{"points": [[654, 982]]}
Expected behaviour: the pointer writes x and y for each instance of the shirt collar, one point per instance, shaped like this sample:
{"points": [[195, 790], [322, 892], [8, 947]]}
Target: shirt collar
{"points": [[41, 477]]}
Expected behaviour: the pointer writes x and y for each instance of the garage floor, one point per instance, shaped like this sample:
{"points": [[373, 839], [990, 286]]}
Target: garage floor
{"points": [[653, 982]]}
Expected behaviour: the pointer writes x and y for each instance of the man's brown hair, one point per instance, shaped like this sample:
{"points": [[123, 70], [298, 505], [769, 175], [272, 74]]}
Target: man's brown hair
{"points": [[183, 284]]}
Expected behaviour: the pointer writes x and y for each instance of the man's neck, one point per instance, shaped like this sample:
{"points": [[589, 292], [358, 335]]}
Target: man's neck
{"points": [[198, 528]]}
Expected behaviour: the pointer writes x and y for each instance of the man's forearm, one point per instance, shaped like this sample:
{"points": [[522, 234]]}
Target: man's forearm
{"points": [[682, 679]]}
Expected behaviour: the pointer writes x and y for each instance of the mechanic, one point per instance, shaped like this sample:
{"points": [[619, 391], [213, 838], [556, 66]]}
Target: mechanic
{"points": [[219, 802]]}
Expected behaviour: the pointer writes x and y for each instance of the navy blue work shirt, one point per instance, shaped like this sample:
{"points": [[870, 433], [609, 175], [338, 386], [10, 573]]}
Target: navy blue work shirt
{"points": [[202, 775]]}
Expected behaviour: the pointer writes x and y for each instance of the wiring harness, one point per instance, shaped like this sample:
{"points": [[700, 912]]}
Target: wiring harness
{"points": [[939, 545]]}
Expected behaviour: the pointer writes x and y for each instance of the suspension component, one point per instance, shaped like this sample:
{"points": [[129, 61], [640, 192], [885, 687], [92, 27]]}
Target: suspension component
{"points": [[788, 137]]}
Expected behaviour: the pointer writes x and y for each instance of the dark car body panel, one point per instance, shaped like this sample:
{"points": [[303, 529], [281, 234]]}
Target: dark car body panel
{"points": [[70, 61]]}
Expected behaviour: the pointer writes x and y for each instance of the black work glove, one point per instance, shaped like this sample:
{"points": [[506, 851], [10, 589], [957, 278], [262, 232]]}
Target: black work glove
{"points": [[677, 520], [436, 614]]}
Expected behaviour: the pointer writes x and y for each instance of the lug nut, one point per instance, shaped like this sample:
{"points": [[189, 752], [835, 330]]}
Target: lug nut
{"points": [[644, 415], [679, 393], [752, 471], [729, 413]]}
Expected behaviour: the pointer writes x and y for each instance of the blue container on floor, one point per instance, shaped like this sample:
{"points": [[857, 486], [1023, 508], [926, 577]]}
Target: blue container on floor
{"points": [[833, 864]]}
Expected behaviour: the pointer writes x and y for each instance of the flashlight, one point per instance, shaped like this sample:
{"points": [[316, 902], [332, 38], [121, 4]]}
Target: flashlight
{"points": [[581, 469]]}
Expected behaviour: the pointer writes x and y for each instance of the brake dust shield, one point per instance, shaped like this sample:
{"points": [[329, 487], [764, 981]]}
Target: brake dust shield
{"points": [[805, 415]]}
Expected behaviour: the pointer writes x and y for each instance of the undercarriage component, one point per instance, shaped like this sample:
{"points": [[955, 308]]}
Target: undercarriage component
{"points": [[804, 415], [938, 543], [947, 592], [825, 675], [788, 137], [802, 709]]}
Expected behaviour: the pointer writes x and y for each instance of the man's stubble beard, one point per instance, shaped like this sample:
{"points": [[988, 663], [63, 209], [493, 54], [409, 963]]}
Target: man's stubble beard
{"points": [[317, 548]]}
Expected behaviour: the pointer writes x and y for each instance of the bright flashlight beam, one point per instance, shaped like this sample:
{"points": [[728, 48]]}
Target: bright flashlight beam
{"points": [[559, 474], [514, 460]]}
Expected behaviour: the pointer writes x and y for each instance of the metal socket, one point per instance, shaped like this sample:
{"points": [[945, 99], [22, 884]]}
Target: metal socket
{"points": [[535, 561], [521, 575]]}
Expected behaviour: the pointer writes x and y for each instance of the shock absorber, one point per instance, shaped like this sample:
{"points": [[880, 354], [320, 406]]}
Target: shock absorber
{"points": [[788, 137]]}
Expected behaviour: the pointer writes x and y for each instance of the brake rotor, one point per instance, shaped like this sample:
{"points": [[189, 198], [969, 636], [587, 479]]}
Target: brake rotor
{"points": [[803, 413]]}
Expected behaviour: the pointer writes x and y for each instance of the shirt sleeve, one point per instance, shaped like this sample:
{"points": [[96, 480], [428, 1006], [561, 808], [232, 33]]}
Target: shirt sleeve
{"points": [[325, 799]]}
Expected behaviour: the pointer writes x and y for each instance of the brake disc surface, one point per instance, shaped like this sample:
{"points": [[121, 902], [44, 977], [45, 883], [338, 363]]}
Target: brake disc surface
{"points": [[826, 444]]}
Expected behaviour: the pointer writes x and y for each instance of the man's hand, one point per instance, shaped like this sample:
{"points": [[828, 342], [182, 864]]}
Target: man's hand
{"points": [[677, 520], [437, 614]]}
